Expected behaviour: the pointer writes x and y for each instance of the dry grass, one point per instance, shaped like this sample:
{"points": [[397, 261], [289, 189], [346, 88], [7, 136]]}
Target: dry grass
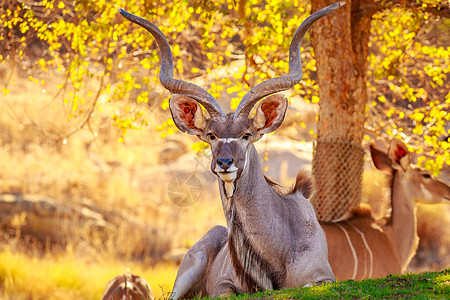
{"points": [[70, 277], [92, 167], [125, 177]]}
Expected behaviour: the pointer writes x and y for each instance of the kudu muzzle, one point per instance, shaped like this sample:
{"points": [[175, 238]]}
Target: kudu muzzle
{"points": [[224, 166]]}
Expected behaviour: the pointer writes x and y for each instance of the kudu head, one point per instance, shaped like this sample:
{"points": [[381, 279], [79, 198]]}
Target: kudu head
{"points": [[418, 183], [229, 135]]}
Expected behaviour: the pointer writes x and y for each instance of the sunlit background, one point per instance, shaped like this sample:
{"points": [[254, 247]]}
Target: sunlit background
{"points": [[95, 180]]}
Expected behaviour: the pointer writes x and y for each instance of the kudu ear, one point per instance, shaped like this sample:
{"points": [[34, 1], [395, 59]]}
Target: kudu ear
{"points": [[399, 155], [187, 114], [381, 160], [270, 114]]}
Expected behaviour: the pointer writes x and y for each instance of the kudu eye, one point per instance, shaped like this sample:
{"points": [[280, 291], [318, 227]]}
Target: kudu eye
{"points": [[211, 136], [426, 175], [246, 136]]}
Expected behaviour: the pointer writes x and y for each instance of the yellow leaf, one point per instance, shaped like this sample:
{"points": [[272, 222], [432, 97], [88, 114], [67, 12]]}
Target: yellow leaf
{"points": [[61, 5]]}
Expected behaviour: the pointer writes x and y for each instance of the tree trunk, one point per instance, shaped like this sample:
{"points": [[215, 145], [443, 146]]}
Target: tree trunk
{"points": [[340, 43]]}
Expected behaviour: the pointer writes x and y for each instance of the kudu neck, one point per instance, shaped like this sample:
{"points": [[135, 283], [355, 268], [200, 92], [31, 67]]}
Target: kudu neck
{"points": [[402, 227], [248, 213], [252, 180], [251, 184]]}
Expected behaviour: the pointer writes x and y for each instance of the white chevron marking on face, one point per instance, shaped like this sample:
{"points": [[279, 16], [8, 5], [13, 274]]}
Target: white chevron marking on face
{"points": [[426, 193], [228, 140]]}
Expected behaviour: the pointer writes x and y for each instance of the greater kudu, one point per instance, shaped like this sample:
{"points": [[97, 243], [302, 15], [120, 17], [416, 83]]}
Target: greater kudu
{"points": [[128, 287], [359, 248], [271, 240]]}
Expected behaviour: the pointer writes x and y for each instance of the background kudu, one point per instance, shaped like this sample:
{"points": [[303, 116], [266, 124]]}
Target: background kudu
{"points": [[271, 240], [358, 247], [128, 287]]}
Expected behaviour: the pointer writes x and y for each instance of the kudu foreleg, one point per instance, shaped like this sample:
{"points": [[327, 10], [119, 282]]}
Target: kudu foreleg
{"points": [[191, 277]]}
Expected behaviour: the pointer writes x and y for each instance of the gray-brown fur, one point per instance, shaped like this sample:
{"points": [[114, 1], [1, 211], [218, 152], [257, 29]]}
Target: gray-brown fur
{"points": [[272, 240], [275, 216], [303, 184], [192, 283], [253, 270]]}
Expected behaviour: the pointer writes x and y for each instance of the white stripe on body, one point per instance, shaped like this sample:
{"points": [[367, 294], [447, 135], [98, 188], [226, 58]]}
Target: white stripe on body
{"points": [[355, 257], [225, 264], [368, 250]]}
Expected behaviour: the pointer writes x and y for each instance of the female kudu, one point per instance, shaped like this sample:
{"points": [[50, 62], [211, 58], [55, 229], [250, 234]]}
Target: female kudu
{"points": [[358, 247]]}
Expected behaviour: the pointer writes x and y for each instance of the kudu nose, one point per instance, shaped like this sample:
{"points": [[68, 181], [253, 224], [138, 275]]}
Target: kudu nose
{"points": [[225, 163]]}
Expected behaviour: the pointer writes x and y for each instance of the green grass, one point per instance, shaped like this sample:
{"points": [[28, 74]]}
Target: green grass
{"points": [[428, 285]]}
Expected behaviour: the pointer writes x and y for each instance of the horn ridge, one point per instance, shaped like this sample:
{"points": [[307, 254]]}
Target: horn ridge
{"points": [[282, 83], [175, 86]]}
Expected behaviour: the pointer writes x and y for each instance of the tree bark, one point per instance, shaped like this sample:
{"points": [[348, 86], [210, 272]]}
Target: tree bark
{"points": [[340, 43]]}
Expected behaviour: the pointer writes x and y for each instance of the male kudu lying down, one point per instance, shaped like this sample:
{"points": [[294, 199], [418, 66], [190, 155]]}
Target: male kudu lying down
{"points": [[272, 240]]}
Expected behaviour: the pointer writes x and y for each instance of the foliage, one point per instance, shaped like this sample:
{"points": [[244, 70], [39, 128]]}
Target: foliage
{"points": [[408, 82], [227, 47], [428, 285]]}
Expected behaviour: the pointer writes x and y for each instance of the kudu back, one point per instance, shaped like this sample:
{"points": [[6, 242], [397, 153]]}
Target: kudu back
{"points": [[272, 240], [128, 286]]}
